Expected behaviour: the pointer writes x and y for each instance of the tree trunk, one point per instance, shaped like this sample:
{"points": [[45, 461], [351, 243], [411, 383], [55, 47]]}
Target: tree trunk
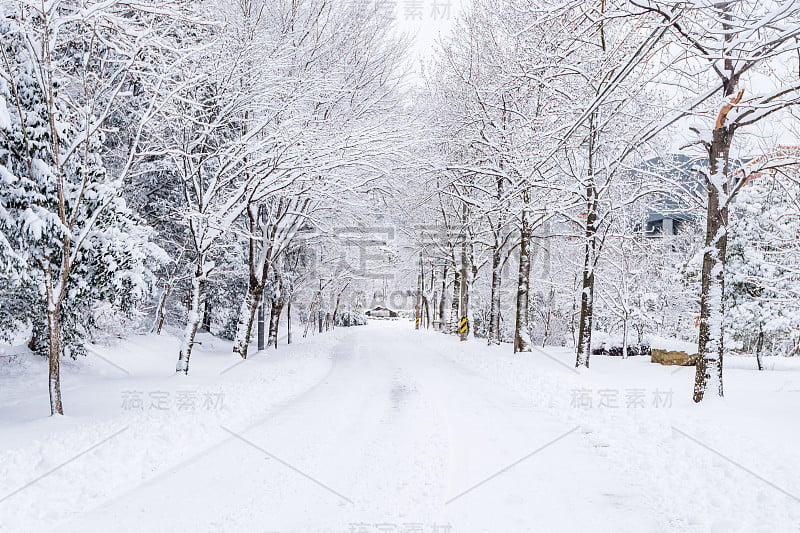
{"points": [[493, 335], [430, 314], [335, 309], [420, 288], [289, 321], [455, 300], [434, 311], [247, 316], [38, 339], [54, 351], [205, 326], [192, 322], [466, 271], [548, 315], [257, 280], [795, 351], [443, 300], [161, 310], [625, 337], [522, 340], [586, 321], [311, 323], [759, 348], [274, 322], [712, 287], [710, 346]]}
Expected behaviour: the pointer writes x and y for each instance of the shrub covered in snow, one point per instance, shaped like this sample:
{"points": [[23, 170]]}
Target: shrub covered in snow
{"points": [[350, 318]]}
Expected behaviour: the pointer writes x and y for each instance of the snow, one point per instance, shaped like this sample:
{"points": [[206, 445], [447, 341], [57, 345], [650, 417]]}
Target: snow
{"points": [[672, 344], [384, 425], [5, 118], [524, 143], [180, 416]]}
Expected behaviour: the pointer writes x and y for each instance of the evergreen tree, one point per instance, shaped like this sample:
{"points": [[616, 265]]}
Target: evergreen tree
{"points": [[762, 279], [67, 238]]}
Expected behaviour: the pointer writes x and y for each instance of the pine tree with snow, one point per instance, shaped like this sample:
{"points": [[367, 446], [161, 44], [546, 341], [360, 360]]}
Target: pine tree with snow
{"points": [[67, 238], [762, 278]]}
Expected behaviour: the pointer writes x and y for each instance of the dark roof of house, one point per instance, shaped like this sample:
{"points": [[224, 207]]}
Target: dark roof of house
{"points": [[686, 180]]}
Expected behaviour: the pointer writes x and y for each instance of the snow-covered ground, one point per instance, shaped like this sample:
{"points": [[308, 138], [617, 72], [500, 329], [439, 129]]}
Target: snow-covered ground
{"points": [[382, 428]]}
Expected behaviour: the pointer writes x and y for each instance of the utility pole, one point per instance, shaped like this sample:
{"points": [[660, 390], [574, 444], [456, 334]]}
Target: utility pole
{"points": [[261, 324]]}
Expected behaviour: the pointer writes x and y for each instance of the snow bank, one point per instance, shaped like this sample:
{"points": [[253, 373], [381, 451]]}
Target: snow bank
{"points": [[129, 418], [725, 466]]}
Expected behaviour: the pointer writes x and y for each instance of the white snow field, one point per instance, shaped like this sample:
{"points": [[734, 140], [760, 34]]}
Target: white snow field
{"points": [[386, 429]]}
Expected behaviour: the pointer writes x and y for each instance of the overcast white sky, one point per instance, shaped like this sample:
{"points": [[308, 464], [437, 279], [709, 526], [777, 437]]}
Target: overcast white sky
{"points": [[425, 20]]}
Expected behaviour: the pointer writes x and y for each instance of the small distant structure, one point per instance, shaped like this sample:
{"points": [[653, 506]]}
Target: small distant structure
{"points": [[381, 312], [669, 214]]}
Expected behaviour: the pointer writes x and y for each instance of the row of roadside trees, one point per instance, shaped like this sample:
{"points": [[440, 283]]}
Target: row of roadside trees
{"points": [[550, 115]]}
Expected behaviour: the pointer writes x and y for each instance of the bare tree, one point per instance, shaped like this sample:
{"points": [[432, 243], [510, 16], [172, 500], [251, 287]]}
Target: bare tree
{"points": [[730, 41]]}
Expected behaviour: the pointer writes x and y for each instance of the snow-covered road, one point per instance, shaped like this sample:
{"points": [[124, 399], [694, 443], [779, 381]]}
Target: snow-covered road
{"points": [[395, 436], [386, 429]]}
